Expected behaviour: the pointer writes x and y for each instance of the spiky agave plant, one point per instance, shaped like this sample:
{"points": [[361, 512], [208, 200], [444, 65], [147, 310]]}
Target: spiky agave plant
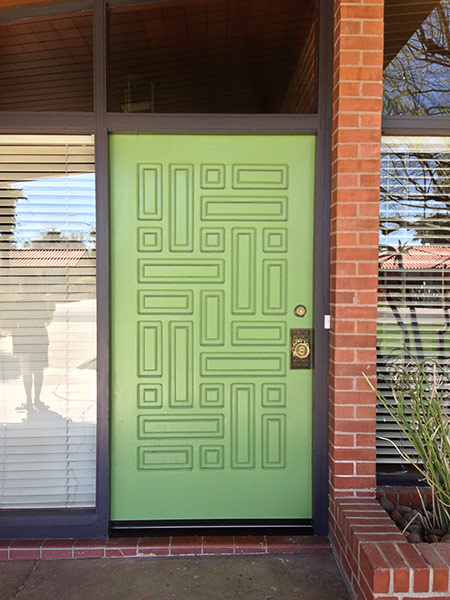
{"points": [[420, 406]]}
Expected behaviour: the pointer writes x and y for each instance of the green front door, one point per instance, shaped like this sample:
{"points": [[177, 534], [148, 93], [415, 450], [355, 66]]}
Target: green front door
{"points": [[211, 251]]}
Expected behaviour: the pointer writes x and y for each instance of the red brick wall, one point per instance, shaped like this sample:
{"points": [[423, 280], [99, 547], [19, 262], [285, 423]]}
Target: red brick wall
{"points": [[356, 131], [301, 94]]}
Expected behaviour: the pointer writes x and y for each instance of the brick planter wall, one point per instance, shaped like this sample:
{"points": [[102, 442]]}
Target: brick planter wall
{"points": [[404, 495], [379, 563]]}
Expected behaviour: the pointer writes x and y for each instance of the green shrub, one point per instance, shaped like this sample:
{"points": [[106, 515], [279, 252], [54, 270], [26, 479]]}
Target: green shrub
{"points": [[420, 406]]}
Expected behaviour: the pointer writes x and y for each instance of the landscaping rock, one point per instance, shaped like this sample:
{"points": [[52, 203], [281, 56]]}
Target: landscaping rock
{"points": [[386, 504], [414, 538], [402, 509], [439, 532], [415, 528], [409, 516], [414, 521], [396, 516]]}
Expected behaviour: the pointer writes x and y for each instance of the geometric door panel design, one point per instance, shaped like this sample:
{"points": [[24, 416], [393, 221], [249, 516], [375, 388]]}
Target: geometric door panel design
{"points": [[211, 252]]}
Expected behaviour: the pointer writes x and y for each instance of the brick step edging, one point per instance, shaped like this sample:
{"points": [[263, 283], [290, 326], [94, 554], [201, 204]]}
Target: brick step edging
{"points": [[163, 546]]}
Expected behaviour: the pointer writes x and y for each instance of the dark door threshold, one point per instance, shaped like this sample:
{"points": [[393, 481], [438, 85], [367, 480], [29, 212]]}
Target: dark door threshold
{"points": [[212, 527]]}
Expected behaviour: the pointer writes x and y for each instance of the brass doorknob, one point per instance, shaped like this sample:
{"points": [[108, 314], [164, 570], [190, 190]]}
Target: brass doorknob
{"points": [[301, 350]]}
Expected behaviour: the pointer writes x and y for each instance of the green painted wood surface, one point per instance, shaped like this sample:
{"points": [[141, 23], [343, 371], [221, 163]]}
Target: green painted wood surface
{"points": [[211, 250]]}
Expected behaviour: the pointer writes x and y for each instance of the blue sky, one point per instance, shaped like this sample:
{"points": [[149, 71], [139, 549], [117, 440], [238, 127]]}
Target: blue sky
{"points": [[65, 203]]}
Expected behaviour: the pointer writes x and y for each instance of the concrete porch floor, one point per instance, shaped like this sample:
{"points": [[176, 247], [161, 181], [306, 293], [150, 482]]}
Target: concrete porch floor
{"points": [[275, 577]]}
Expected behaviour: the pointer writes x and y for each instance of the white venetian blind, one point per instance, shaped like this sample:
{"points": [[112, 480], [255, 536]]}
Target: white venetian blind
{"points": [[414, 265], [47, 322]]}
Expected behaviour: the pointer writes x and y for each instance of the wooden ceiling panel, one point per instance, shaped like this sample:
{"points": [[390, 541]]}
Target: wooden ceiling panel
{"points": [[46, 63]]}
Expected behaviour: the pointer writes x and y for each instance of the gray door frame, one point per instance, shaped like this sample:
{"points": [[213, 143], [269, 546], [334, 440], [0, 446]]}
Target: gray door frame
{"points": [[94, 523]]}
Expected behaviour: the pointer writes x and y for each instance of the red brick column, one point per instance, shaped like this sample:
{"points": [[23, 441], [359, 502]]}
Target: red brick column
{"points": [[356, 131]]}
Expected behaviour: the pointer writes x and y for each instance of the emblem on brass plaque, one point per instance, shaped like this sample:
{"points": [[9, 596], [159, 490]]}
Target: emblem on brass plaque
{"points": [[301, 340]]}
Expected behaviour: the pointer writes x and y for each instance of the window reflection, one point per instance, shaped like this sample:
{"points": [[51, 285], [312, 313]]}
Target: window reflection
{"points": [[414, 265], [417, 58], [46, 63], [47, 322], [213, 57]]}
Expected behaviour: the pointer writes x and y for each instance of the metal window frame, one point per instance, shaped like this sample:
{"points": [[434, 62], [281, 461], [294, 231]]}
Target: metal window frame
{"points": [[94, 523], [415, 125]]}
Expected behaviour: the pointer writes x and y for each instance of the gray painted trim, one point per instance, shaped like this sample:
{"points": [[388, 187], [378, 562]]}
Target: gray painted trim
{"points": [[102, 271], [211, 123], [40, 524], [88, 523], [114, 3], [416, 125], [321, 271], [46, 122], [45, 10]]}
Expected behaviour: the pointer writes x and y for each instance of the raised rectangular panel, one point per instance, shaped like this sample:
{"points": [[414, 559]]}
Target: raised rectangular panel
{"points": [[180, 426], [255, 177], [275, 240], [242, 426], [212, 395], [258, 333], [212, 240], [212, 177], [244, 208], [274, 287], [212, 457], [165, 302], [251, 364], [180, 271], [181, 179], [274, 395], [244, 271], [150, 396], [149, 349], [165, 457], [212, 318], [181, 390], [150, 192], [149, 239], [274, 441]]}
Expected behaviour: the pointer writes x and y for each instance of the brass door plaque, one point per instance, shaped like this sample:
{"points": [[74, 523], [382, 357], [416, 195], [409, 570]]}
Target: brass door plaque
{"points": [[301, 340]]}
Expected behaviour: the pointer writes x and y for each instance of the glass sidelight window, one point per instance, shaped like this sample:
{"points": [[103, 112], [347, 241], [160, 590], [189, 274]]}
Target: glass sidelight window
{"points": [[414, 266], [47, 321], [213, 57]]}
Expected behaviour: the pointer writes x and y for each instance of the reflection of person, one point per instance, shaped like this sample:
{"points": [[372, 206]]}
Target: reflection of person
{"points": [[30, 343]]}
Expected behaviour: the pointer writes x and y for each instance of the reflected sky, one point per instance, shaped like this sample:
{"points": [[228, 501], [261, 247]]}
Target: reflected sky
{"points": [[415, 188], [65, 204]]}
